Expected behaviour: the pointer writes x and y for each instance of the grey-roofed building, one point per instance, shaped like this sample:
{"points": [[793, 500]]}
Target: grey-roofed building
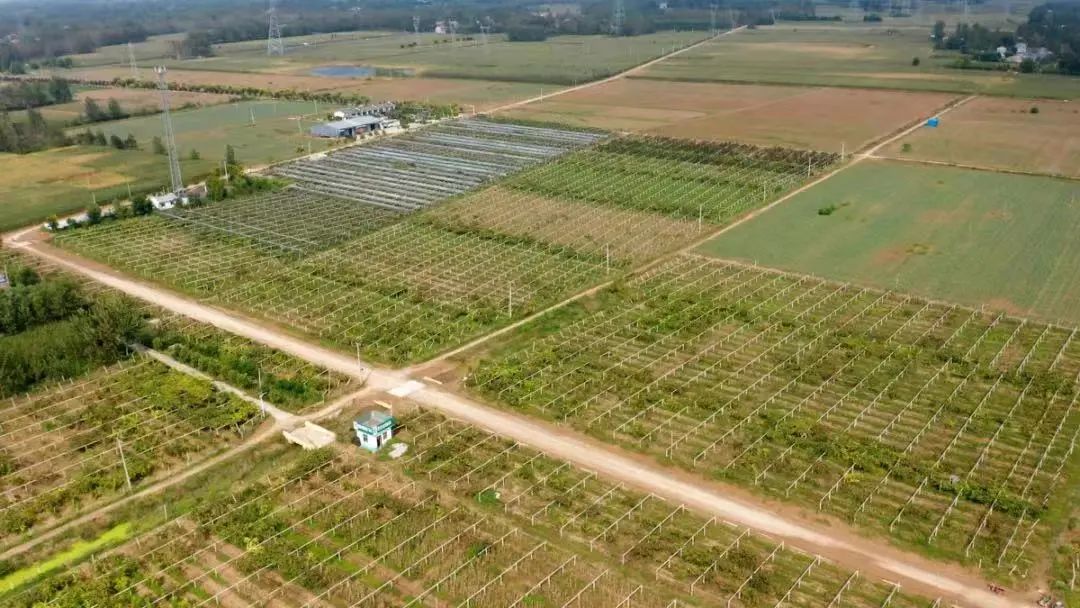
{"points": [[349, 127]]}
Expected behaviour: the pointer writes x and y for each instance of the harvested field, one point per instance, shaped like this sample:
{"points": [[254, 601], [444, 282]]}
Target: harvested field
{"points": [[407, 289], [468, 92], [814, 118], [59, 447], [937, 426], [1002, 134], [465, 518], [1006, 242], [849, 55], [132, 101]]}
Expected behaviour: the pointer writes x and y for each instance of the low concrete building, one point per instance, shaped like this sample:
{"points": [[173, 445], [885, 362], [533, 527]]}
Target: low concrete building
{"points": [[310, 436], [374, 427], [348, 127]]}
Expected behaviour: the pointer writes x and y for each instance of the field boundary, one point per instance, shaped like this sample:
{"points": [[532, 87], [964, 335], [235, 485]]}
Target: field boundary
{"points": [[855, 158], [983, 168]]}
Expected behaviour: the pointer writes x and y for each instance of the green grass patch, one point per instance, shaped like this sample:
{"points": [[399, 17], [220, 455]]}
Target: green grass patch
{"points": [[972, 237], [78, 551]]}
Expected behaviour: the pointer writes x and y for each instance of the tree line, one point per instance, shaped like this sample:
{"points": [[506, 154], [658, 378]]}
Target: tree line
{"points": [[26, 94], [1056, 26]]}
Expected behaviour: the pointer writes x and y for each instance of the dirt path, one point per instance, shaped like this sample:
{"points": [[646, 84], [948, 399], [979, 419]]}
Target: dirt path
{"points": [[843, 546], [855, 159], [630, 72]]}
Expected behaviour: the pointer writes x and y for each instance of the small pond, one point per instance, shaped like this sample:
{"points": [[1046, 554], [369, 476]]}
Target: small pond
{"points": [[359, 71]]}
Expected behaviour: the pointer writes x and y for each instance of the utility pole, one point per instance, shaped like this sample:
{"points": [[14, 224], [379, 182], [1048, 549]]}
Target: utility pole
{"points": [[274, 44], [123, 461], [712, 18], [175, 180], [416, 24], [131, 61], [484, 29]]}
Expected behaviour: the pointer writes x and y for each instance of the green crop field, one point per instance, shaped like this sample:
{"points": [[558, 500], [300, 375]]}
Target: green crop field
{"points": [[852, 56], [465, 518], [1007, 242], [402, 288], [278, 130], [947, 430], [558, 60]]}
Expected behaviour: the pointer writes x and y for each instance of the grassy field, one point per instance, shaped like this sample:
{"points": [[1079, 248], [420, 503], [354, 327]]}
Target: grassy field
{"points": [[946, 430], [825, 119], [558, 60], [1002, 134], [279, 131], [463, 518], [849, 56], [1007, 242], [63, 180]]}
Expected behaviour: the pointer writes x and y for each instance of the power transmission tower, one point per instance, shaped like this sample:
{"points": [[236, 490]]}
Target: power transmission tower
{"points": [[617, 18], [170, 139], [712, 18], [731, 17], [484, 29], [274, 45], [131, 60], [416, 24]]}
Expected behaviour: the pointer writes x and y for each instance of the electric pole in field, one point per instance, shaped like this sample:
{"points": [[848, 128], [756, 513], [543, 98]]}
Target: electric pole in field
{"points": [[617, 17], [175, 180], [131, 61], [416, 24], [274, 44], [712, 18]]}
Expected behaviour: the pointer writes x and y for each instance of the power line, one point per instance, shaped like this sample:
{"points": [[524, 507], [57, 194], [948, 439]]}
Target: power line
{"points": [[274, 44], [170, 139]]}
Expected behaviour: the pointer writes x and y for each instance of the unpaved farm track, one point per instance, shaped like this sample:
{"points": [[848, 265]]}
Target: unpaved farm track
{"points": [[871, 557]]}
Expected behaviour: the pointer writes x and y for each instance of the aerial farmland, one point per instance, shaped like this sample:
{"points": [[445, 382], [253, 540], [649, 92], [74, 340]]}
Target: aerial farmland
{"points": [[566, 305]]}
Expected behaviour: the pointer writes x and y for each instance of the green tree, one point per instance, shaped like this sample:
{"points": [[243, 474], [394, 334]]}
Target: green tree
{"points": [[157, 145], [93, 214], [230, 155], [130, 143], [92, 111], [116, 142], [115, 111], [99, 139], [194, 155]]}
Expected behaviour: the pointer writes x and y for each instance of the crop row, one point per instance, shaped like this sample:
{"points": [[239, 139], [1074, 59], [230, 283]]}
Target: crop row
{"points": [[101, 435], [463, 519], [401, 293], [936, 424], [417, 170]]}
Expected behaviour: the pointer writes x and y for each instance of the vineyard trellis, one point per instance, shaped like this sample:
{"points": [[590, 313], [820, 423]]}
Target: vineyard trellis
{"points": [[929, 421], [406, 286], [364, 532]]}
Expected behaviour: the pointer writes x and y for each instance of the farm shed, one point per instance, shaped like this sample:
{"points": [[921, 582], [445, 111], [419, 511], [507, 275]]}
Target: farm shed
{"points": [[349, 127], [374, 427]]}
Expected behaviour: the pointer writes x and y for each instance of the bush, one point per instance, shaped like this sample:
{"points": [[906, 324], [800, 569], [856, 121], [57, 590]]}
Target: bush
{"points": [[827, 210], [915, 61], [1034, 109]]}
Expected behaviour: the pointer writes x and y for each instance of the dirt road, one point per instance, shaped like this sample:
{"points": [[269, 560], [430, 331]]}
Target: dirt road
{"points": [[872, 558]]}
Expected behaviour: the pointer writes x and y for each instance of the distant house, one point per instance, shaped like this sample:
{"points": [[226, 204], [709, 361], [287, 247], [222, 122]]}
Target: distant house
{"points": [[374, 428], [348, 127], [167, 200]]}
